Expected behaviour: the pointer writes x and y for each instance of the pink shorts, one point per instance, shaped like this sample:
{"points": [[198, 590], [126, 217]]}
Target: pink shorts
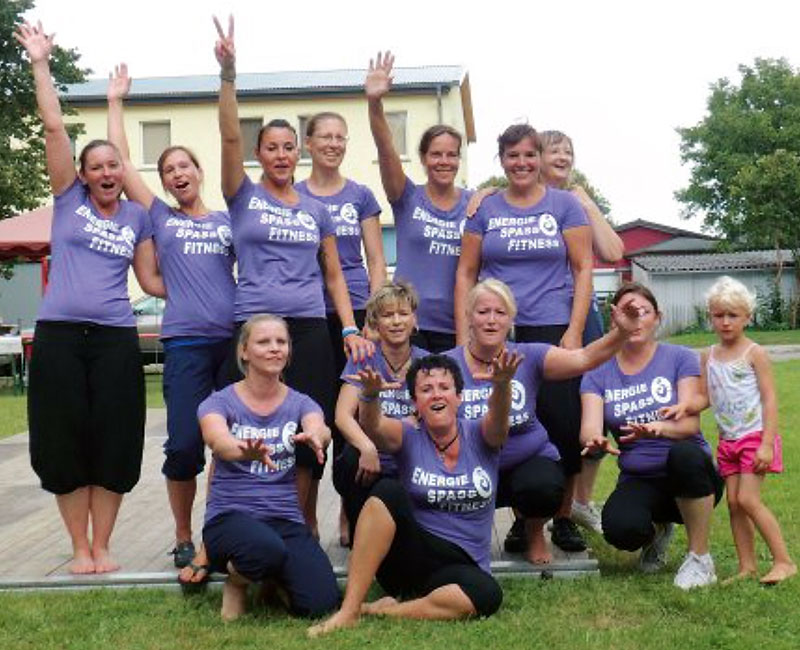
{"points": [[736, 456]]}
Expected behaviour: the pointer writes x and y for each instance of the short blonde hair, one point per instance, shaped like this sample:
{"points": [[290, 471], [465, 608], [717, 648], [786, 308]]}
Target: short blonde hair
{"points": [[729, 292], [247, 330], [397, 291], [498, 288]]}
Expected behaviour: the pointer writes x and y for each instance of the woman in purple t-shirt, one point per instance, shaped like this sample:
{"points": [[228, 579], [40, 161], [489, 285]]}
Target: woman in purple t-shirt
{"points": [[666, 470], [195, 257], [429, 219], [536, 239], [286, 252], [254, 529], [86, 405]]}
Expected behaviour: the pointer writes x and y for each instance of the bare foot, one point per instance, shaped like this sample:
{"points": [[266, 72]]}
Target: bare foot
{"points": [[779, 572], [744, 574], [339, 620], [82, 563], [193, 573], [538, 552], [234, 598], [377, 607], [103, 562]]}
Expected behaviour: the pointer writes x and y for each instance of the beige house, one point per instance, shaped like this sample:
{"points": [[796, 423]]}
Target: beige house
{"points": [[183, 110]]}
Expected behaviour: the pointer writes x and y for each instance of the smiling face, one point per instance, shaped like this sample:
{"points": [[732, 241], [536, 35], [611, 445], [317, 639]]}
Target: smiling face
{"points": [[728, 321], [490, 320], [521, 164], [395, 322], [436, 399], [328, 144], [181, 177], [102, 172], [278, 154], [442, 160], [266, 349], [557, 161]]}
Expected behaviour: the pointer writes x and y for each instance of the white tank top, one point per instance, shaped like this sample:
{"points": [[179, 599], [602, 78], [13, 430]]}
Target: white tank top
{"points": [[734, 394]]}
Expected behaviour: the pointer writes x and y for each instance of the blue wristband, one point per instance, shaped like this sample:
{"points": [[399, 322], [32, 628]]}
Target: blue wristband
{"points": [[347, 331]]}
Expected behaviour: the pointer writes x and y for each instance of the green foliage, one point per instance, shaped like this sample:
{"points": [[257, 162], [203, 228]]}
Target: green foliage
{"points": [[745, 158], [23, 181], [494, 181], [771, 309]]}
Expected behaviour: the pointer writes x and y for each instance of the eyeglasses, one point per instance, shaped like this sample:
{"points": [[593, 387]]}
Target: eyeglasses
{"points": [[329, 138]]}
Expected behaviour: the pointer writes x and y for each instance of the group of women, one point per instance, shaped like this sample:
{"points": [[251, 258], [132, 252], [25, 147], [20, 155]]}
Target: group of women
{"points": [[427, 444]]}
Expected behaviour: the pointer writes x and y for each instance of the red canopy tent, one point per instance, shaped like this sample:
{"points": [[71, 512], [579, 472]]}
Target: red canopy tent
{"points": [[28, 235]]}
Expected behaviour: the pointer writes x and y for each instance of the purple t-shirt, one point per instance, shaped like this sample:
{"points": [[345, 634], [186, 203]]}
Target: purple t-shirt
{"points": [[91, 256], [396, 403], [638, 398], [251, 486], [458, 504], [525, 248], [526, 435], [196, 258], [276, 249], [428, 247], [348, 209]]}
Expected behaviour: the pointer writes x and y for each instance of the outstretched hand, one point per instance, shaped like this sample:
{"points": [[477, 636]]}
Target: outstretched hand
{"points": [[255, 449], [638, 431], [315, 441], [597, 444], [372, 382], [379, 78], [504, 367], [37, 44], [225, 49], [119, 83]]}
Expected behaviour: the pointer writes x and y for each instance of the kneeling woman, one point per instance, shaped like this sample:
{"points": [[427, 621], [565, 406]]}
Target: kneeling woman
{"points": [[427, 536], [531, 478], [666, 472], [254, 529]]}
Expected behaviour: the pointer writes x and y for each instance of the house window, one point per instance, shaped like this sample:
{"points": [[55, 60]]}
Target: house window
{"points": [[397, 124], [302, 125], [250, 127], [155, 138]]}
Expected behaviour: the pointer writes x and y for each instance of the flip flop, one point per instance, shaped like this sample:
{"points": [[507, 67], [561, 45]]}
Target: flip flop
{"points": [[201, 570]]}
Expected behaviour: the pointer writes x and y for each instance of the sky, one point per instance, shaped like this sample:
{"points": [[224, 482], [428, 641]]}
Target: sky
{"points": [[617, 76]]}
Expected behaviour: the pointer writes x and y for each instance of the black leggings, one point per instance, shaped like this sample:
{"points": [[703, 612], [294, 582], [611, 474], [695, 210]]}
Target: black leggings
{"points": [[636, 503], [419, 562], [535, 487], [433, 342]]}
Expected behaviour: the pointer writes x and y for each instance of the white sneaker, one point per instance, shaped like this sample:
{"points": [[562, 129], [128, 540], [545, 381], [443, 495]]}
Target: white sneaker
{"points": [[587, 515], [653, 557], [696, 571]]}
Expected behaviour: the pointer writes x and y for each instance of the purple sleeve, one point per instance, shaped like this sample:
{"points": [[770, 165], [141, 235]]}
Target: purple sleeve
{"points": [[400, 205], [687, 363], [146, 231], [574, 214], [237, 201], [212, 404], [307, 405], [74, 191], [369, 204], [477, 225], [350, 368], [591, 382], [326, 226]]}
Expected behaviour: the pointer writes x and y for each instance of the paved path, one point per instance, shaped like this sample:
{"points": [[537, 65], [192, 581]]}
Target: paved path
{"points": [[35, 551]]}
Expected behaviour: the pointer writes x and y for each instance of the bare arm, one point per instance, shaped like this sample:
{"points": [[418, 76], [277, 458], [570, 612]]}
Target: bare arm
{"points": [[119, 84], [146, 269], [592, 438], [386, 433], [373, 247], [671, 429], [315, 434], [697, 402], [225, 446], [469, 265], [229, 130], [369, 465], [495, 422], [606, 243], [377, 84], [579, 251], [60, 166]]}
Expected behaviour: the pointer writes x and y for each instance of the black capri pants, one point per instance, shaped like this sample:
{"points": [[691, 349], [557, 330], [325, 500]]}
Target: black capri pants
{"points": [[86, 406], [535, 487], [419, 562], [310, 371], [637, 503], [274, 548], [558, 405]]}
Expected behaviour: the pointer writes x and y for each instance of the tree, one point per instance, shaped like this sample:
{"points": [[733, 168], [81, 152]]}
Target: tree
{"points": [[23, 180], [745, 158]]}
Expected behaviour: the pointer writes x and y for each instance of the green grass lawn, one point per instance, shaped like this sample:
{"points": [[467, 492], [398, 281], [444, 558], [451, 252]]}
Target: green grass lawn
{"points": [[621, 610], [764, 337]]}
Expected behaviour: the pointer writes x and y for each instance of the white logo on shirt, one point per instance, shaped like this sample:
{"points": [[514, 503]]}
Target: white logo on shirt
{"points": [[287, 435], [482, 482], [517, 395], [128, 235], [661, 389], [306, 220], [349, 214], [548, 224], [225, 236]]}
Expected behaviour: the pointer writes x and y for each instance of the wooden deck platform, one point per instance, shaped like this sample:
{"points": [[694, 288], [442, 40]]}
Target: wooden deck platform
{"points": [[35, 551]]}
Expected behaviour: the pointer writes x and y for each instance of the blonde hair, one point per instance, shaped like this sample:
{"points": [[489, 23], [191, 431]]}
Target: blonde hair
{"points": [[728, 292], [397, 292], [247, 330], [499, 289]]}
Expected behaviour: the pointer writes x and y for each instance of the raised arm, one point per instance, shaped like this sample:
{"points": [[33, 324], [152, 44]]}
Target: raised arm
{"points": [[606, 243], [229, 130], [386, 433], [60, 166], [579, 251], [377, 84], [495, 422], [119, 84], [469, 265]]}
